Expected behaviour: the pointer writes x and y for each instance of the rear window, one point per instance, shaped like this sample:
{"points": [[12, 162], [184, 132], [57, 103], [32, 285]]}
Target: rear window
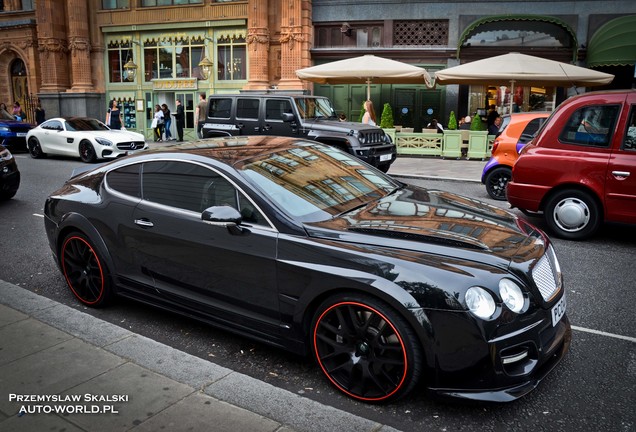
{"points": [[591, 125], [531, 128]]}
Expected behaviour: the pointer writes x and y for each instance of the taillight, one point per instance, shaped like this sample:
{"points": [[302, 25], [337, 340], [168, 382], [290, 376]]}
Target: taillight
{"points": [[495, 144]]}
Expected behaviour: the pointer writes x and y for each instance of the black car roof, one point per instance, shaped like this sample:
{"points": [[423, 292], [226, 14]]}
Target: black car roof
{"points": [[231, 150]]}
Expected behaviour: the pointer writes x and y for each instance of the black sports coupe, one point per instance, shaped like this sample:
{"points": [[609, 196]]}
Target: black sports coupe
{"points": [[305, 247]]}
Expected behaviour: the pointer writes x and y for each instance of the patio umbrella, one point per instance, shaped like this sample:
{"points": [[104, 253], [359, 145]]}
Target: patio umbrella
{"points": [[365, 69], [522, 69]]}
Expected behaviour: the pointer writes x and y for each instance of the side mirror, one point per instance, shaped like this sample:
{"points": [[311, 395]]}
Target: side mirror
{"points": [[288, 117], [224, 216]]}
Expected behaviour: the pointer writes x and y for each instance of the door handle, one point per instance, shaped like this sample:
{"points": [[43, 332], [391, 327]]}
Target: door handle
{"points": [[623, 174], [144, 223]]}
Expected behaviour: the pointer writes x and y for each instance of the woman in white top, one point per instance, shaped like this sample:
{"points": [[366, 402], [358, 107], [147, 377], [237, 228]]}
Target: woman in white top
{"points": [[157, 123], [369, 114]]}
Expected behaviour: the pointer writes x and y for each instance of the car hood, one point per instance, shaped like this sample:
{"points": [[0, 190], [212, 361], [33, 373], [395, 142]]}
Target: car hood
{"points": [[433, 221], [337, 126], [117, 135]]}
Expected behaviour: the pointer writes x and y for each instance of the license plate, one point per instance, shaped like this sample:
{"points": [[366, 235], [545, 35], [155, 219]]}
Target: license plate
{"points": [[558, 310], [21, 134], [385, 157]]}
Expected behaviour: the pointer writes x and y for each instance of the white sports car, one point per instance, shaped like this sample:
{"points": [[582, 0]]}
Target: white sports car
{"points": [[85, 137]]}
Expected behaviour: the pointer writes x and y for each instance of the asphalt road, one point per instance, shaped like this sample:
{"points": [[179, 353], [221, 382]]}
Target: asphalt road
{"points": [[593, 389]]}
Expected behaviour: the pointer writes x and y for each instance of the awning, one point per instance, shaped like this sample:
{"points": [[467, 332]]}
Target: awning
{"points": [[614, 44]]}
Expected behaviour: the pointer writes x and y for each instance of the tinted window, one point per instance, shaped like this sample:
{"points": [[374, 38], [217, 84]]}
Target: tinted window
{"points": [[126, 180], [629, 142], [220, 108], [591, 125], [247, 108], [53, 125], [177, 184], [531, 128], [274, 108]]}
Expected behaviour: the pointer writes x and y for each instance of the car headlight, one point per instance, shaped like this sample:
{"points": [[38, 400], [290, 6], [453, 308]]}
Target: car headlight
{"points": [[104, 142], [511, 295], [5, 155], [480, 302]]}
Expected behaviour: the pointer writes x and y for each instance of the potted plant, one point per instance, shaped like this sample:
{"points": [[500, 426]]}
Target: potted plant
{"points": [[478, 139], [452, 121], [386, 120]]}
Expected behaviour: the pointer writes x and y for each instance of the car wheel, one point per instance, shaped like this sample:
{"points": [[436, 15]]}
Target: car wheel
{"points": [[496, 182], [384, 167], [85, 271], [572, 214], [34, 148], [365, 348], [87, 152], [4, 195]]}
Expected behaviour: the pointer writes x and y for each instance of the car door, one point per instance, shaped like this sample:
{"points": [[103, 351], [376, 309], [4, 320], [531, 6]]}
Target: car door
{"points": [[247, 116], [273, 123], [208, 268], [620, 186], [54, 140]]}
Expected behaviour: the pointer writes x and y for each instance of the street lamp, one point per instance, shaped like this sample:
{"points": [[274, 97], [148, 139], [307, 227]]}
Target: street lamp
{"points": [[131, 70], [206, 67]]}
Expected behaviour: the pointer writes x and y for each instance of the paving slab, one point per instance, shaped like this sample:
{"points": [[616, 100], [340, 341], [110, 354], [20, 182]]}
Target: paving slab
{"points": [[26, 337]]}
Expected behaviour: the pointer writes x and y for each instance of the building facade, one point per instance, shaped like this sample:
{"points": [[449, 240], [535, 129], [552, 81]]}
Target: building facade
{"points": [[77, 55]]}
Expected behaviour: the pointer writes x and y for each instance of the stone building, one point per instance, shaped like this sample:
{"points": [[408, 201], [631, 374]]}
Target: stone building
{"points": [[76, 55]]}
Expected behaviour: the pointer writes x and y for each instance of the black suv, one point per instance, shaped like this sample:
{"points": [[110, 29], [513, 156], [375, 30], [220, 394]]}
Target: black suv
{"points": [[297, 116]]}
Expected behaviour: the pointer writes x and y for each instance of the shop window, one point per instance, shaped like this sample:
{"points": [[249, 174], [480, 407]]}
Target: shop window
{"points": [[349, 35], [231, 58], [172, 58], [119, 52], [518, 33]]}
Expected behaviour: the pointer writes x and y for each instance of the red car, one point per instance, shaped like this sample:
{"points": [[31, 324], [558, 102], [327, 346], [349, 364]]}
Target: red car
{"points": [[580, 169], [515, 132]]}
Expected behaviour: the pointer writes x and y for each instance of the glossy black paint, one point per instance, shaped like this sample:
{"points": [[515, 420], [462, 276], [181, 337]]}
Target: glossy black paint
{"points": [[418, 251], [9, 175]]}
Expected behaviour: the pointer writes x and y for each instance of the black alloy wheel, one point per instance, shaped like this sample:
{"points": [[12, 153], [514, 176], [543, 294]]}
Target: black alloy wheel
{"points": [[365, 348], [85, 272], [87, 152], [496, 182], [34, 148]]}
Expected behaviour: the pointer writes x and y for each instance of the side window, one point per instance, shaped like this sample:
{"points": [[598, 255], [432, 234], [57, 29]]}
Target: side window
{"points": [[220, 108], [54, 125], [177, 184], [126, 180], [629, 143], [274, 109], [531, 128], [247, 108], [250, 213], [591, 125]]}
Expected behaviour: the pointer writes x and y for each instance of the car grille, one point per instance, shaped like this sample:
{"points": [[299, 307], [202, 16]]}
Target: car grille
{"points": [[372, 137], [133, 145], [547, 274]]}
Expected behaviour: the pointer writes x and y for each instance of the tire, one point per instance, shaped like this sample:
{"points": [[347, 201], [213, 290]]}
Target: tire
{"points": [[85, 271], [384, 167], [7, 195], [572, 214], [87, 152], [496, 182], [35, 149], [365, 348]]}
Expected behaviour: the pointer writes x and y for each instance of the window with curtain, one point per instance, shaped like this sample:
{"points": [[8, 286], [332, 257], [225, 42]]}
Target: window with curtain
{"points": [[119, 52], [172, 58], [231, 57]]}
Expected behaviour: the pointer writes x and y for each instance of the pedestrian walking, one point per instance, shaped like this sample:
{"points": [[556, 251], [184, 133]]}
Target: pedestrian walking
{"points": [[167, 122], [369, 114], [113, 116], [40, 114], [199, 114], [157, 123], [179, 118]]}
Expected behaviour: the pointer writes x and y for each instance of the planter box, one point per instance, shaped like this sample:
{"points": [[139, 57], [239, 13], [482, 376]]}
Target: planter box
{"points": [[452, 146], [426, 144], [477, 145]]}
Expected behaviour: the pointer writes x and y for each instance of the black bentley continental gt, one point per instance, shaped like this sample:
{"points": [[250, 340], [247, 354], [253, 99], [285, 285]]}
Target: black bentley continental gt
{"points": [[305, 247]]}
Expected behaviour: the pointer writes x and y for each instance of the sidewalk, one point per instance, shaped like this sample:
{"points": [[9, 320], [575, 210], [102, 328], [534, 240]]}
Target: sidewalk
{"points": [[128, 382], [437, 168]]}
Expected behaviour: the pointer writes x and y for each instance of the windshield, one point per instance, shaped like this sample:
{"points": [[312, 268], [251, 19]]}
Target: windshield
{"points": [[313, 108], [313, 182], [85, 124]]}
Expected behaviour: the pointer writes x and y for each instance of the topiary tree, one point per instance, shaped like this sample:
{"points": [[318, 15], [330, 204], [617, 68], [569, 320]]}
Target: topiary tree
{"points": [[386, 121], [452, 121], [476, 124]]}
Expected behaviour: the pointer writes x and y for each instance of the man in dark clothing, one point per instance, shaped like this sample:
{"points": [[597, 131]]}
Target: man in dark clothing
{"points": [[492, 115], [180, 120]]}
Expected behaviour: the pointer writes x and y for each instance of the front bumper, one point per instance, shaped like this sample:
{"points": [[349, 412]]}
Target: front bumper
{"points": [[501, 369], [9, 178], [377, 155]]}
